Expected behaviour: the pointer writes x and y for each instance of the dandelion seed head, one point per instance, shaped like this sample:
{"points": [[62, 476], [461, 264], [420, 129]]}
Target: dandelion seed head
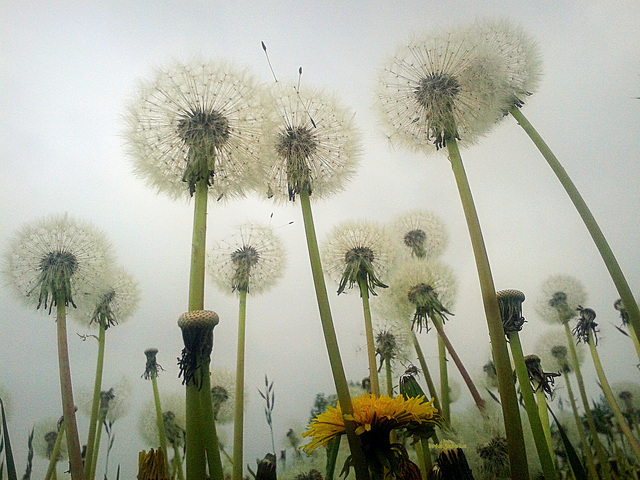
{"points": [[223, 394], [559, 299], [312, 143], [201, 120], [57, 256], [115, 400], [45, 433], [252, 259], [173, 413], [627, 395], [420, 234], [553, 350]]}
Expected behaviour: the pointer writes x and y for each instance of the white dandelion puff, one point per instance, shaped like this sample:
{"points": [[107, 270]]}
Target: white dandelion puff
{"points": [[560, 297], [420, 234]]}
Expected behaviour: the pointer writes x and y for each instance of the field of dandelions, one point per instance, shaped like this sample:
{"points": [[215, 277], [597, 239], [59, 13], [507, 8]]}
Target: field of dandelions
{"points": [[205, 133]]}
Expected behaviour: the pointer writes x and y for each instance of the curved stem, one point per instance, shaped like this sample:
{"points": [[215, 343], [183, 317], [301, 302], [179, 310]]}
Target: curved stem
{"points": [[589, 220], [437, 322], [546, 460], [425, 370], [606, 388], [160, 420], [238, 421], [509, 400], [198, 245], [95, 406], [68, 406], [331, 341], [368, 328]]}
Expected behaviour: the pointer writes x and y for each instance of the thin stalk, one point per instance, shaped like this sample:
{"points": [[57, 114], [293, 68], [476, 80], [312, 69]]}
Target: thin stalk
{"points": [[177, 463], [636, 343], [195, 452], [424, 469], [198, 245], [509, 401], [238, 421], [389, 378], [96, 449], [160, 419], [591, 466], [543, 412], [606, 388], [53, 460], [425, 370], [600, 453], [426, 452], [544, 453], [587, 217], [331, 341], [438, 324], [68, 406], [209, 431], [95, 406], [444, 381], [368, 329]]}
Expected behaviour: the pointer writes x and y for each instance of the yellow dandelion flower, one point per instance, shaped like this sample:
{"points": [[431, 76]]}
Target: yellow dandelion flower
{"points": [[372, 415]]}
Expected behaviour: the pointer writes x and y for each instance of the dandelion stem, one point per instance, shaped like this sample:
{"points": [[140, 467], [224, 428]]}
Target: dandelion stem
{"points": [[587, 217], [444, 381], [209, 430], [389, 378], [544, 453], [433, 393], [95, 406], [331, 341], [68, 406], [160, 419], [198, 245], [509, 401], [438, 324], [368, 328], [55, 453], [543, 413], [195, 451], [238, 421], [608, 393]]}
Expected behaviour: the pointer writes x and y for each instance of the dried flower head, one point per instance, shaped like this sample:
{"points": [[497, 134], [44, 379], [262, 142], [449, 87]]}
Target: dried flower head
{"points": [[559, 298], [357, 251], [553, 350], [152, 367], [251, 260], [540, 380], [223, 394], [510, 303], [624, 315], [420, 233], [439, 87], [196, 121], [173, 413], [197, 333], [45, 434], [313, 146], [57, 259], [585, 329], [114, 302], [419, 289], [515, 55]]}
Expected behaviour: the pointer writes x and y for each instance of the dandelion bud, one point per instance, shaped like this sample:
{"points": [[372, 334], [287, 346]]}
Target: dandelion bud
{"points": [[197, 334], [510, 302]]}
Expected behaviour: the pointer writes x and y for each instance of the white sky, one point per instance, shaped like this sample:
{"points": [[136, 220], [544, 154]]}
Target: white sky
{"points": [[68, 69]]}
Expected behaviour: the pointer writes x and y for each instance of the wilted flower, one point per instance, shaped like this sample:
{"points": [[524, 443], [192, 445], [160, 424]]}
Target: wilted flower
{"points": [[57, 258], [586, 325], [197, 333], [355, 251], [115, 301], [173, 414], [510, 303], [45, 434], [314, 145], [419, 289], [559, 299], [553, 350], [252, 260], [420, 233], [196, 121], [438, 87], [152, 367], [540, 380]]}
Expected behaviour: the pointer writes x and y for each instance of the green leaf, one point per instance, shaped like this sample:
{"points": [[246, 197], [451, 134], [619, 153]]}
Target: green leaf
{"points": [[574, 461], [11, 466]]}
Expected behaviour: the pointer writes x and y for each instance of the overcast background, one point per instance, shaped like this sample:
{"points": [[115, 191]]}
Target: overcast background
{"points": [[69, 68]]}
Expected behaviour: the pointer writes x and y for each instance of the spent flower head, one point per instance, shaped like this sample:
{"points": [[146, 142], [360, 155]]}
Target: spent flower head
{"points": [[197, 334], [173, 414], [357, 251], [540, 380], [420, 289], [251, 260], [510, 303], [114, 302], [553, 350], [45, 434], [194, 121], [313, 144], [223, 394], [152, 367], [420, 233], [586, 329], [57, 259], [437, 87], [559, 298]]}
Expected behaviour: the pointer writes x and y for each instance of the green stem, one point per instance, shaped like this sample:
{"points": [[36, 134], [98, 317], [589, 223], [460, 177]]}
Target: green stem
{"points": [[636, 343], [600, 453], [368, 329], [606, 388], [590, 222], [177, 463], [544, 454], [444, 381], [198, 245], [95, 406], [544, 418], [331, 341], [68, 406], [238, 421], [389, 377], [96, 449], [195, 451], [438, 324], [160, 420], [53, 460], [506, 388], [591, 466], [425, 370], [209, 430]]}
